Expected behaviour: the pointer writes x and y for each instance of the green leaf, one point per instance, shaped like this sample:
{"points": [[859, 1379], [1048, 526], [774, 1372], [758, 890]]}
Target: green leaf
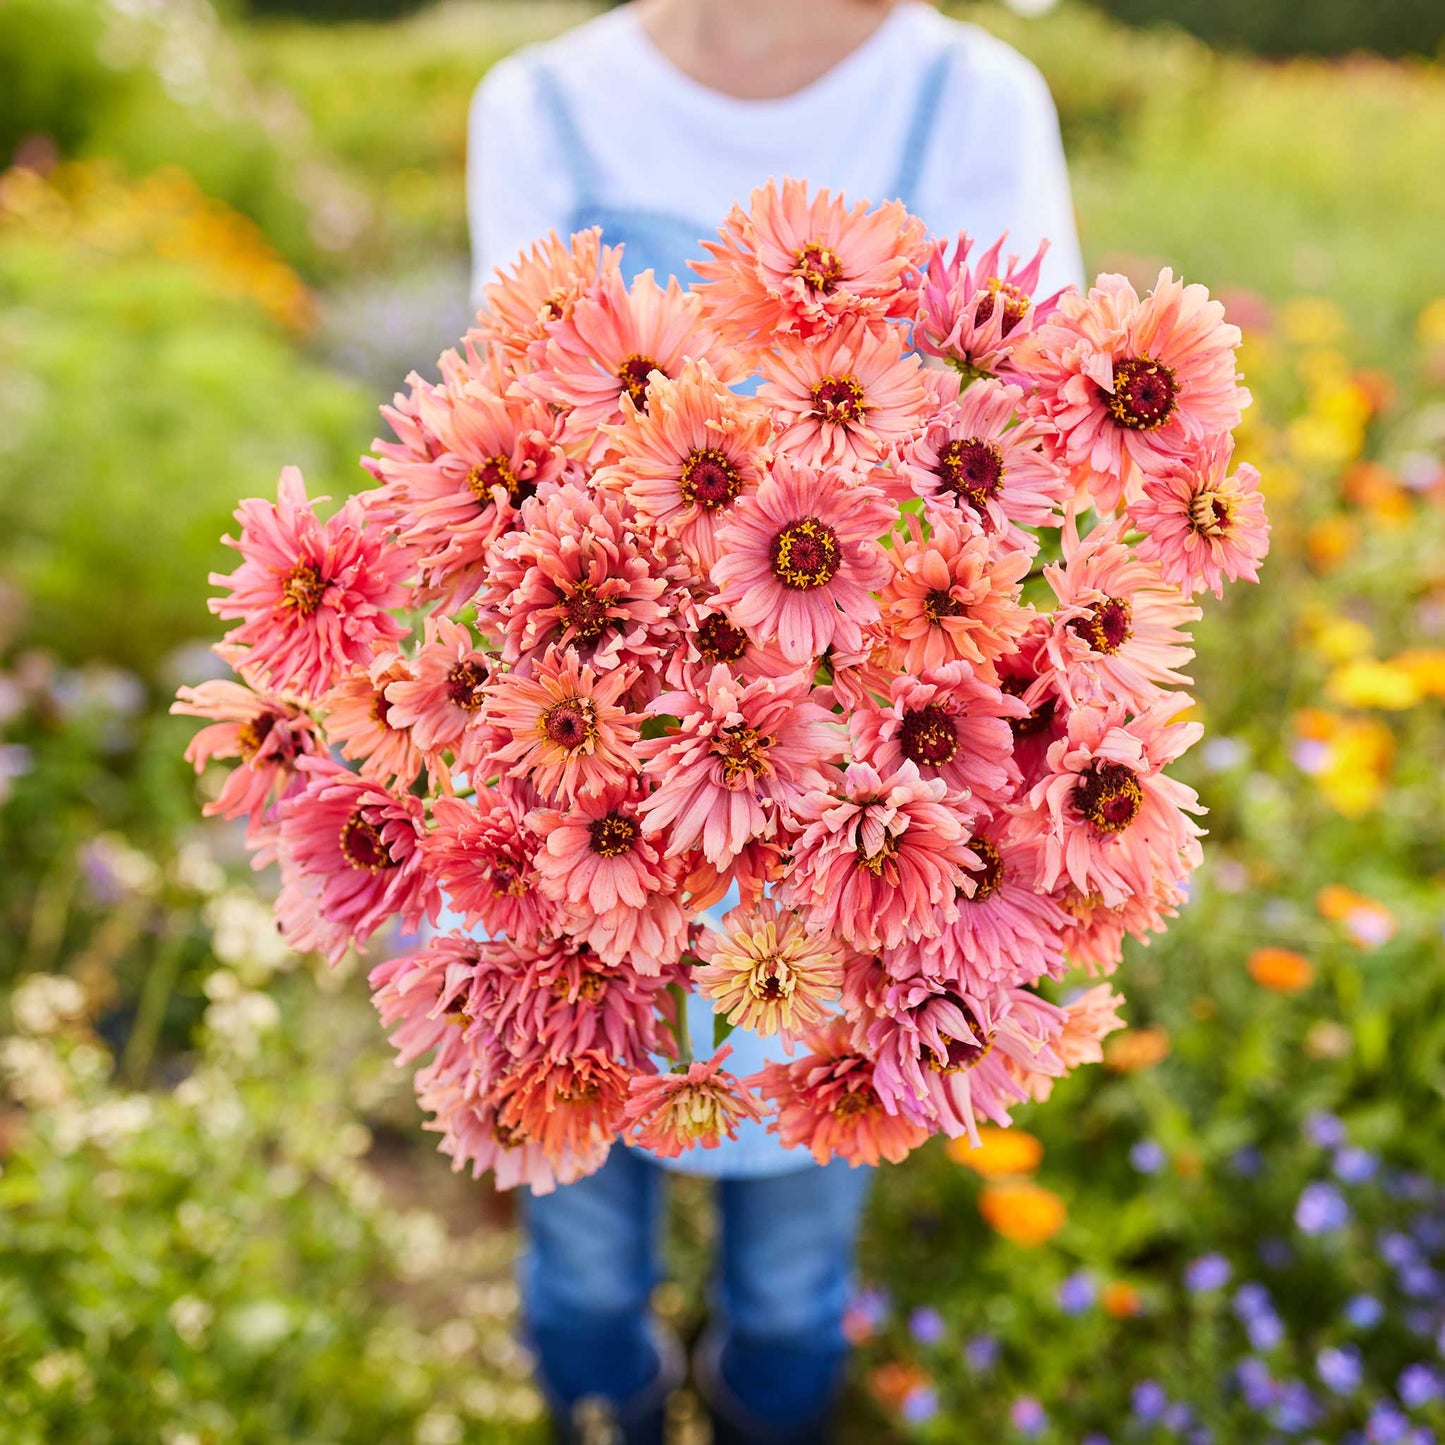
{"points": [[721, 1028]]}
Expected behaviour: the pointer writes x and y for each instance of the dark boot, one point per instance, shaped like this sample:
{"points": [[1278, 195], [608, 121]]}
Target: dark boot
{"points": [[596, 1420], [732, 1424]]}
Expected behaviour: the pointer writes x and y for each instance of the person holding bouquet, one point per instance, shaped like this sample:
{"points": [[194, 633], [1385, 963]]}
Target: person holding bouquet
{"points": [[649, 122]]}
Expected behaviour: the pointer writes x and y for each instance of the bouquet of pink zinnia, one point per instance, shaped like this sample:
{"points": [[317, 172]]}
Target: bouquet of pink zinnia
{"points": [[889, 642]]}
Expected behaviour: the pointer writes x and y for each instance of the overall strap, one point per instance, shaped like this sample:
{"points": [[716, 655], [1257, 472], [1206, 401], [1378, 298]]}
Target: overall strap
{"points": [[920, 127], [575, 155]]}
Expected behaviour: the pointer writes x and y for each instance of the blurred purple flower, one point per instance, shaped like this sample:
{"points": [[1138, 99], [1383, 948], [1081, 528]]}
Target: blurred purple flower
{"points": [[1296, 1409], [1208, 1272], [1255, 1383], [981, 1352], [1364, 1311], [1429, 1230], [1094, 1437], [1419, 1385], [1275, 1253], [1028, 1416], [1421, 1323], [871, 1306], [1077, 1292], [1340, 1369], [920, 1405], [1247, 1162], [1420, 1281], [1149, 1401], [1265, 1331], [1387, 1425], [1252, 1299], [926, 1325], [1177, 1416], [1321, 1209], [1147, 1157], [1201, 1435], [14, 763], [1397, 1249], [1324, 1130], [1355, 1166]]}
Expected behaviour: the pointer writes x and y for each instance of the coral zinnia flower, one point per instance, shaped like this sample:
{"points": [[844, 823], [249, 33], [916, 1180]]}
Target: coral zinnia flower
{"points": [[702, 1105], [972, 459], [843, 400], [973, 317], [569, 1106], [794, 264], [424, 998], [576, 574], [482, 860], [1091, 1018], [742, 752], [312, 596], [1111, 821], [609, 348], [1094, 936], [560, 727], [442, 698], [954, 594], [879, 861], [617, 892], [1118, 629], [826, 1102], [766, 973], [799, 560], [267, 733], [686, 460], [707, 636], [950, 722], [542, 287], [361, 846], [358, 716], [1202, 526], [1133, 386]]}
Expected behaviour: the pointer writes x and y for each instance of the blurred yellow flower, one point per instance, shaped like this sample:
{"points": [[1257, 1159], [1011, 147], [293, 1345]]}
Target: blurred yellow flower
{"points": [[1280, 970], [1338, 639], [1136, 1049], [1430, 328], [1367, 683], [1356, 767], [1375, 489], [1331, 540], [1120, 1301], [1000, 1152], [1021, 1211], [1312, 321]]}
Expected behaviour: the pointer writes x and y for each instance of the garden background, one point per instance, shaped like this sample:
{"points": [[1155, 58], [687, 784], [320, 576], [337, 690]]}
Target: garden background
{"points": [[225, 234]]}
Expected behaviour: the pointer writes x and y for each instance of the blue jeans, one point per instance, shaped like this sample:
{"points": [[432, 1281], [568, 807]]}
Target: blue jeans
{"points": [[783, 1284]]}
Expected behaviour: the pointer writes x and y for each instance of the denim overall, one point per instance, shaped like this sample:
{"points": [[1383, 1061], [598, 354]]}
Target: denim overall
{"points": [[663, 243]]}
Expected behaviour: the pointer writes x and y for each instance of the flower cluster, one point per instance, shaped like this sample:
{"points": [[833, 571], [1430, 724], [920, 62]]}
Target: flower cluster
{"points": [[890, 647]]}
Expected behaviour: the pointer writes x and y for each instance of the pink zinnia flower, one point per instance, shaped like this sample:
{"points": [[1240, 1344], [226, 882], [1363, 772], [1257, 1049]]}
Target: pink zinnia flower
{"points": [[267, 733], [577, 575], [414, 445], [1094, 936], [765, 972], [1118, 629], [361, 845], [798, 264], [561, 727], [569, 1106], [707, 637], [1028, 675], [942, 1059], [843, 400], [826, 1102], [481, 857], [312, 596], [543, 286], [760, 863], [704, 1104], [609, 348], [952, 724], [1133, 386], [1091, 1018], [974, 316], [879, 860], [358, 716], [615, 889], [951, 595], [1202, 526], [1111, 821], [424, 998], [742, 752], [982, 459], [685, 461], [799, 560], [441, 701]]}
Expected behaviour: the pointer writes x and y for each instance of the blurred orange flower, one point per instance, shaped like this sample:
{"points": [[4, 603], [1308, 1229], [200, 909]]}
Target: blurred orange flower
{"points": [[894, 1381], [1330, 541], [1000, 1152], [1368, 921], [1119, 1300], [1427, 666], [1280, 970], [1136, 1049], [1024, 1212]]}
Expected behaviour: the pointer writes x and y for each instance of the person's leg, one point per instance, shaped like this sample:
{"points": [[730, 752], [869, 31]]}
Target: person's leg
{"points": [[787, 1268], [586, 1280]]}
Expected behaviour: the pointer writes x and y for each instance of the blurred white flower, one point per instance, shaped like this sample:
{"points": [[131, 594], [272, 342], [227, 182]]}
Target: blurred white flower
{"points": [[191, 1318], [42, 1002]]}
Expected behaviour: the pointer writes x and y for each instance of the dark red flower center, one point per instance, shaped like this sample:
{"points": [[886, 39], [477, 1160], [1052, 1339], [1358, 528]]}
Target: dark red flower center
{"points": [[1144, 393], [1210, 514], [1108, 627], [839, 398], [717, 640], [362, 845], [806, 554], [1015, 304], [465, 681], [962, 1054], [972, 469], [818, 267], [587, 613], [508, 878], [1039, 719], [928, 736], [613, 835], [251, 736], [709, 479], [303, 589], [570, 724], [989, 879], [633, 374], [1109, 796], [495, 472], [939, 604], [743, 750]]}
